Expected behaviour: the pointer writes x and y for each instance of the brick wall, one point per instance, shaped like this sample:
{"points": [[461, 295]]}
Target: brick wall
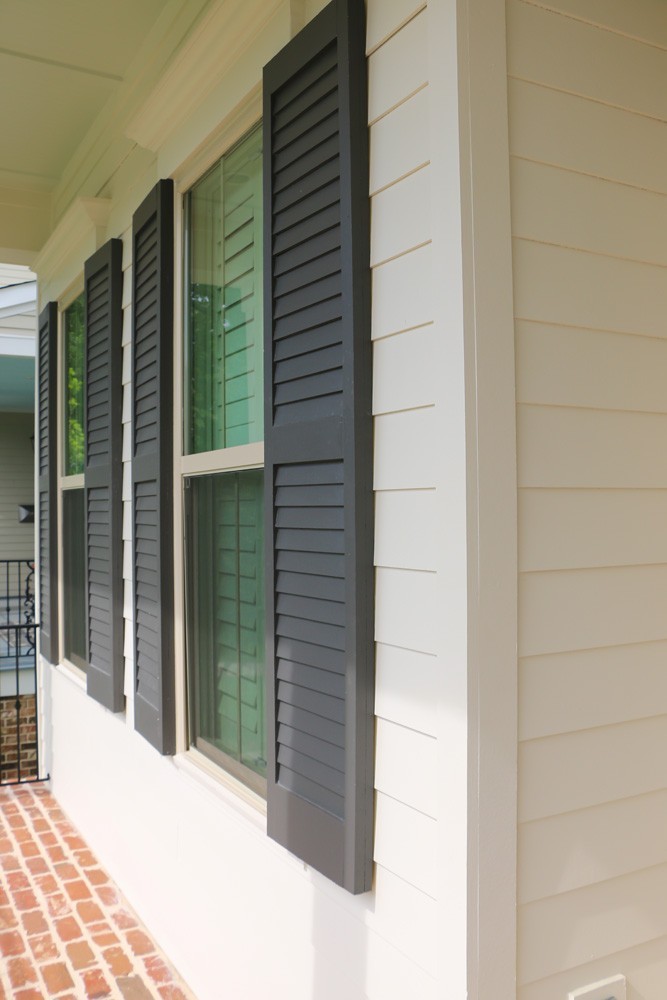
{"points": [[18, 738]]}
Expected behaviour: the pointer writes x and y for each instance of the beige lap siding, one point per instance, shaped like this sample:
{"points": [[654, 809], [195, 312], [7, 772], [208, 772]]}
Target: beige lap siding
{"points": [[403, 400], [588, 141]]}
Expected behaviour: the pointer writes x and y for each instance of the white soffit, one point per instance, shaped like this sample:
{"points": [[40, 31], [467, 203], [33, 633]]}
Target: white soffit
{"points": [[61, 62]]}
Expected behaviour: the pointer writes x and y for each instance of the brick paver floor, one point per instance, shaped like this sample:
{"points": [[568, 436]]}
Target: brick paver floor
{"points": [[65, 929]]}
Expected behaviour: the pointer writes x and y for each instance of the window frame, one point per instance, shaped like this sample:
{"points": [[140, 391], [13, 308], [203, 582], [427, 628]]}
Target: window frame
{"points": [[65, 482], [238, 458]]}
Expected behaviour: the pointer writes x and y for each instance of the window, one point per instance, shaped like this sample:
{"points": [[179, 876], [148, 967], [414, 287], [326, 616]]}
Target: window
{"points": [[313, 687], [223, 427], [73, 517], [80, 479]]}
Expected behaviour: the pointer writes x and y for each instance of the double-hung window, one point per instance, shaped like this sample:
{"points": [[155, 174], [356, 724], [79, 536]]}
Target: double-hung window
{"points": [[72, 483], [221, 470], [275, 310]]}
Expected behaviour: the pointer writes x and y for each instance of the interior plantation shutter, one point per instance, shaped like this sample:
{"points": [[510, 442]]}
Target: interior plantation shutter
{"points": [[152, 463], [318, 448], [48, 482], [103, 277]]}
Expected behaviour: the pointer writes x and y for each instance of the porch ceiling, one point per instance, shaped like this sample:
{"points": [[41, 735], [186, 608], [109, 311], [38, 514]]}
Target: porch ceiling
{"points": [[61, 61], [71, 74]]}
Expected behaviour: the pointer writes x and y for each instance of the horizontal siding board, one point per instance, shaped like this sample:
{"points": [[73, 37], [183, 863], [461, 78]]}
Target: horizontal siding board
{"points": [[406, 843], [586, 924], [412, 352], [385, 17], [577, 770], [402, 293], [584, 529], [406, 688], [611, 839], [602, 65], [407, 918], [405, 525], [566, 366], [406, 766], [405, 444], [595, 607], [392, 975], [563, 447], [645, 966], [645, 20], [601, 216], [587, 105], [614, 684], [17, 461], [578, 134], [401, 217], [399, 142], [398, 69], [574, 288], [406, 609]]}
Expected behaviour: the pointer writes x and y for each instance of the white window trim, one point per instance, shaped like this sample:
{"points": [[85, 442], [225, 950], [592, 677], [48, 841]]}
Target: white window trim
{"points": [[64, 482], [250, 456]]}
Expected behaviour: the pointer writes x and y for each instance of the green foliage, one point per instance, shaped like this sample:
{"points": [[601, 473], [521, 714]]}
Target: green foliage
{"points": [[74, 363]]}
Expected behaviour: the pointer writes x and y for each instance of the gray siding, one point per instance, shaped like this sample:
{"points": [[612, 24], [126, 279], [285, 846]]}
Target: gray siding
{"points": [[17, 484]]}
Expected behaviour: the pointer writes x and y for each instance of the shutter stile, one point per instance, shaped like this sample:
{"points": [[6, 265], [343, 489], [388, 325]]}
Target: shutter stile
{"points": [[48, 482], [103, 277], [318, 448], [152, 465]]}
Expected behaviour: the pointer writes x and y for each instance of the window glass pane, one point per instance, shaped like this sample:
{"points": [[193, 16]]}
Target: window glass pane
{"points": [[224, 401], [74, 577], [226, 615], [74, 375]]}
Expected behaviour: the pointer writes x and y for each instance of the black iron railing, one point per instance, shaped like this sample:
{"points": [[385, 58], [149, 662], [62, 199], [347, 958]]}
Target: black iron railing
{"points": [[19, 734], [17, 600]]}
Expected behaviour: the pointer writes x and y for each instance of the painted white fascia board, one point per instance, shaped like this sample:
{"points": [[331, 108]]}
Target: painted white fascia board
{"points": [[79, 233], [17, 347], [217, 42]]}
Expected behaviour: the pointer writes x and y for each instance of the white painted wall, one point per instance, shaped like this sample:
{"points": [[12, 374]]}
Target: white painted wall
{"points": [[235, 912], [587, 100]]}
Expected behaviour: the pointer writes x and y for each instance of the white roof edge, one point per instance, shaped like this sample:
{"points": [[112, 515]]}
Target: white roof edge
{"points": [[23, 294]]}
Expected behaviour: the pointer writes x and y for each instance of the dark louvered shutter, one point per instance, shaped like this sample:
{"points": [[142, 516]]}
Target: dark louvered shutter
{"points": [[104, 475], [152, 463], [48, 482], [319, 448]]}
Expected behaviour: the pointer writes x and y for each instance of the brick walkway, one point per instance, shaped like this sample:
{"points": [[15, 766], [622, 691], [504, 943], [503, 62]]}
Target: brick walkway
{"points": [[65, 929]]}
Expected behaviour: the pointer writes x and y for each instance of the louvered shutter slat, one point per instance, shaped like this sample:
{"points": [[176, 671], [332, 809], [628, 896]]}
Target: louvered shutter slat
{"points": [[48, 480], [318, 448], [152, 462], [103, 276]]}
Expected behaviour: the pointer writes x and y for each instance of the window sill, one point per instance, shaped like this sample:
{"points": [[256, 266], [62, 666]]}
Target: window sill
{"points": [[72, 673], [232, 793]]}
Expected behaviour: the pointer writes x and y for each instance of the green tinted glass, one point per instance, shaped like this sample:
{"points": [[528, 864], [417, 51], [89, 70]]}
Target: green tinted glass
{"points": [[226, 615], [74, 328], [224, 302]]}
